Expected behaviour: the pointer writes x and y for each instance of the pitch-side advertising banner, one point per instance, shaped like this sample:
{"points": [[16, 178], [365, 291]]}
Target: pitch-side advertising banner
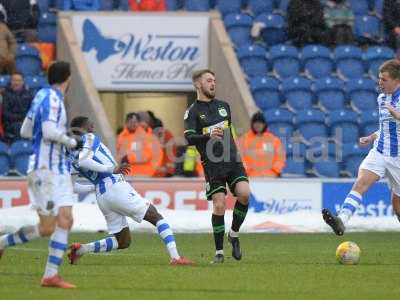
{"points": [[143, 52]]}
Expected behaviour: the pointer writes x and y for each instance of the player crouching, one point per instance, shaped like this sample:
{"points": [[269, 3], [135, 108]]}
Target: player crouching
{"points": [[115, 197]]}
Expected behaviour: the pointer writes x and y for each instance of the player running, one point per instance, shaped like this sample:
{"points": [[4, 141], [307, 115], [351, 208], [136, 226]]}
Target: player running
{"points": [[208, 127], [49, 180], [383, 159], [116, 197]]}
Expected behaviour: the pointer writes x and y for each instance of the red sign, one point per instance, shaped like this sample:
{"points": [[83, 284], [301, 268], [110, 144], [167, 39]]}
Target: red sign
{"points": [[163, 193]]}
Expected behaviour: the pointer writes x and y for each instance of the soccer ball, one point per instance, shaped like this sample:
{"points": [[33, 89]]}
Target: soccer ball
{"points": [[348, 253]]}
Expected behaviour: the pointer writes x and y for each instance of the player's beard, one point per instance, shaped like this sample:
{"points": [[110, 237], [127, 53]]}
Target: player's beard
{"points": [[209, 94]]}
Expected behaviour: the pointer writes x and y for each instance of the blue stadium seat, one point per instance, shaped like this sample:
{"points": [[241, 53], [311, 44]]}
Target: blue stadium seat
{"points": [[4, 159], [174, 4], [197, 5], [258, 7], [378, 8], [330, 93], [294, 168], [27, 59], [285, 60], [369, 122], [107, 5], [44, 5], [297, 92], [311, 124], [282, 6], [266, 92], [362, 93], [253, 59], [274, 31], [375, 56], [344, 126], [280, 122], [4, 80], [35, 83], [238, 27], [359, 7], [326, 168], [367, 28], [317, 61], [19, 153], [349, 62], [353, 155], [296, 150], [47, 28], [229, 6]]}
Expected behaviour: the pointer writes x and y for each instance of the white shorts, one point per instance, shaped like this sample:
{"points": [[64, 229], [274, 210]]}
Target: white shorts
{"points": [[384, 166], [49, 191], [121, 201]]}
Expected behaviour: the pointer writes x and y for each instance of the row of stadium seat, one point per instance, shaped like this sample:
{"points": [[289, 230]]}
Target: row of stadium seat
{"points": [[344, 126], [316, 60], [15, 157], [239, 26], [329, 93], [323, 160], [256, 7]]}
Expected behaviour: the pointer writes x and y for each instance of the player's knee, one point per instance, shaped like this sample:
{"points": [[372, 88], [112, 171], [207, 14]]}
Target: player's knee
{"points": [[243, 197], [47, 229], [219, 207], [65, 221]]}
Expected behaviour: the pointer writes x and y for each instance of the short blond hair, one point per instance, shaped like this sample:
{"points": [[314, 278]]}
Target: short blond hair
{"points": [[391, 66], [197, 74]]}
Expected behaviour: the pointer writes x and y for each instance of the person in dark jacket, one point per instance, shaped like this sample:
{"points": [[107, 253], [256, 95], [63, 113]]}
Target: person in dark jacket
{"points": [[391, 21], [22, 17], [306, 23], [16, 102]]}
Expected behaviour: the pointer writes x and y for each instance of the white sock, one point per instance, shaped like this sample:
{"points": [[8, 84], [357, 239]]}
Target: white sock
{"points": [[219, 252], [105, 245], [57, 246], [23, 235], [350, 205], [233, 233], [168, 238]]}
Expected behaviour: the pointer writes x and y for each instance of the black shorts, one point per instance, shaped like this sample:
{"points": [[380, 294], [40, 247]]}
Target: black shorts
{"points": [[219, 175]]}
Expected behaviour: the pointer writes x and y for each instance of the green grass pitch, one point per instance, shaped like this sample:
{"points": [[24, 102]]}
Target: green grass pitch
{"points": [[285, 266]]}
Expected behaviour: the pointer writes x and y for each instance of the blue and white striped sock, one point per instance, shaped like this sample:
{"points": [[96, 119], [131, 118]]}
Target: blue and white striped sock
{"points": [[350, 205], [23, 235], [105, 245], [168, 237], [57, 246]]}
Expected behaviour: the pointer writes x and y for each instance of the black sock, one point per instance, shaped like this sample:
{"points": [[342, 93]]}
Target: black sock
{"points": [[218, 224], [239, 214], [398, 217]]}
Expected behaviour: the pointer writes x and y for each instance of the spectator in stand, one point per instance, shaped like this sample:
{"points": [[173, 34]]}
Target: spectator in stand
{"points": [[166, 139], [16, 102], [22, 17], [147, 5], [306, 23], [339, 19], [391, 20], [8, 47], [262, 152], [139, 147]]}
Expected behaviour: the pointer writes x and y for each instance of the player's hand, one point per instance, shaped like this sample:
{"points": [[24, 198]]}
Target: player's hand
{"points": [[393, 111], [123, 169], [366, 140], [217, 132]]}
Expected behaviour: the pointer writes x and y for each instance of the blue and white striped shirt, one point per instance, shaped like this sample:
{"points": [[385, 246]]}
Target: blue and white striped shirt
{"points": [[48, 105], [388, 140], [100, 154]]}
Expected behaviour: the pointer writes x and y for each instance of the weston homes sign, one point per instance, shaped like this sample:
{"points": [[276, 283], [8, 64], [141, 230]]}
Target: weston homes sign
{"points": [[143, 52]]}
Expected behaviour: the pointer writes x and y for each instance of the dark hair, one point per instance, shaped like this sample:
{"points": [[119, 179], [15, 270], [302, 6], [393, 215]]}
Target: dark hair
{"points": [[131, 115], [58, 72], [78, 123], [259, 117], [158, 123], [197, 74]]}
